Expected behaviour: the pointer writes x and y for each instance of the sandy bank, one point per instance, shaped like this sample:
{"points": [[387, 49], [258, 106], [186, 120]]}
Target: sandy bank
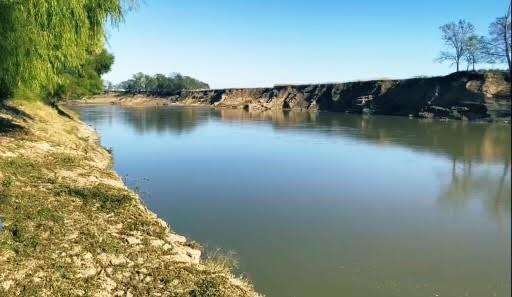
{"points": [[129, 101]]}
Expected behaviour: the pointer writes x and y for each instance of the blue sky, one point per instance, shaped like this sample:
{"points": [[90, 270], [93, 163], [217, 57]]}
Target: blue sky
{"points": [[250, 43]]}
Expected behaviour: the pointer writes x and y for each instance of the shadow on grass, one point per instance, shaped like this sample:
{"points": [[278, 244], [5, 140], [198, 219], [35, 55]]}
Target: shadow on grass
{"points": [[13, 111], [62, 112], [7, 126]]}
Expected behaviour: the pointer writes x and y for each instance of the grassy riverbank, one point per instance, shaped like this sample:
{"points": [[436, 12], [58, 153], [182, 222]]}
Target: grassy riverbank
{"points": [[70, 227]]}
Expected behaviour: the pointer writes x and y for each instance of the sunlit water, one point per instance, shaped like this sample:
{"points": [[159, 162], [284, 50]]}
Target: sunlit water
{"points": [[326, 204]]}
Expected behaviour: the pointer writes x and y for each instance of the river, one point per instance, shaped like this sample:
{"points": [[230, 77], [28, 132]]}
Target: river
{"points": [[327, 204]]}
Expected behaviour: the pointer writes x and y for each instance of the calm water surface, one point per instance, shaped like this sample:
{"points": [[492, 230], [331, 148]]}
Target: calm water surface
{"points": [[327, 205]]}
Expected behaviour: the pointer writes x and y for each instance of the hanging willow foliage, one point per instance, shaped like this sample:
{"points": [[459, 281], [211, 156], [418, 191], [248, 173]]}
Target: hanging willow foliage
{"points": [[40, 38]]}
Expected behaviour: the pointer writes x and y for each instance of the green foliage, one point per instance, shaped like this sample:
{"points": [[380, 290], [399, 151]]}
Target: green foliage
{"points": [[5, 189], [160, 84], [22, 240], [41, 39], [107, 198], [85, 80]]}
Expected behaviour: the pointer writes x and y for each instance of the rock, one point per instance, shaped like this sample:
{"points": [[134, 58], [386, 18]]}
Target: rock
{"points": [[162, 223], [87, 272], [87, 256], [118, 260], [176, 238], [157, 242], [75, 250], [195, 255], [115, 260], [182, 258], [72, 236], [133, 240], [108, 285], [109, 270], [7, 285]]}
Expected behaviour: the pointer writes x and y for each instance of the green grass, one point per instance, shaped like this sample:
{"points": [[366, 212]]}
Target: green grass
{"points": [[5, 189], [105, 197]]}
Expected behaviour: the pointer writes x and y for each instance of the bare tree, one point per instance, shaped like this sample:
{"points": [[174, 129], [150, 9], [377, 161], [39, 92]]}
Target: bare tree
{"points": [[473, 55], [498, 46], [455, 37]]}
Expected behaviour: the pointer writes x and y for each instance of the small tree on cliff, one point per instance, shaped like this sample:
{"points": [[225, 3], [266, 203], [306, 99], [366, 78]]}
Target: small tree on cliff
{"points": [[474, 50], [498, 48], [455, 37]]}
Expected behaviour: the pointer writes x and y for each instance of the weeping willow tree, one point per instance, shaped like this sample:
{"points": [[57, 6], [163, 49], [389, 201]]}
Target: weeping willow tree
{"points": [[41, 39]]}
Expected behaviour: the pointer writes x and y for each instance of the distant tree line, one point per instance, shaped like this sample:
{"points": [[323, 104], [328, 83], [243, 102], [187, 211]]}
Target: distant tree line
{"points": [[160, 84], [463, 45]]}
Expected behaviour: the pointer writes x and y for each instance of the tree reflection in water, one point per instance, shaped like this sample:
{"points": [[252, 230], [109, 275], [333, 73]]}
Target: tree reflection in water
{"points": [[471, 182], [480, 152]]}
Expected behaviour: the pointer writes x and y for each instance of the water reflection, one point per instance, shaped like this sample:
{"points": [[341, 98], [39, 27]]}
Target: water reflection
{"points": [[457, 139], [172, 120], [466, 144], [470, 182], [460, 141]]}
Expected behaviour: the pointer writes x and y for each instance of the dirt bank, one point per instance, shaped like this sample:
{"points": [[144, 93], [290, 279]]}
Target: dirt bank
{"points": [[463, 95], [131, 101]]}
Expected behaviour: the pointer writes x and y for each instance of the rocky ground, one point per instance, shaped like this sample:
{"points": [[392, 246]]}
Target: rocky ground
{"points": [[70, 227]]}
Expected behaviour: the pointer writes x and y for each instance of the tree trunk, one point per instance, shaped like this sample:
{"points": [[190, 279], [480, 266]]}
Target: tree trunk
{"points": [[507, 44]]}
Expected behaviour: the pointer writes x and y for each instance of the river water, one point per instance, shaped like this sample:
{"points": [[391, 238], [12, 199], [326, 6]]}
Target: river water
{"points": [[327, 204]]}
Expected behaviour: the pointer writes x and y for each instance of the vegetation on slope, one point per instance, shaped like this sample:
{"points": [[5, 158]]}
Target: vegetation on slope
{"points": [[84, 80], [71, 227]]}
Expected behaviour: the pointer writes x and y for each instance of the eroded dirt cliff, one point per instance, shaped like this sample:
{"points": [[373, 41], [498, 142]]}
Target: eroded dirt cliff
{"points": [[463, 95]]}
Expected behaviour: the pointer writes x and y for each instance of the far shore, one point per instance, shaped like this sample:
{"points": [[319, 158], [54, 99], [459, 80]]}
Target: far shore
{"points": [[124, 100], [469, 96]]}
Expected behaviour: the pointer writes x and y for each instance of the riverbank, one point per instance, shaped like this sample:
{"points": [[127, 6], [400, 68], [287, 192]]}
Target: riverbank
{"points": [[461, 96], [69, 226], [132, 100]]}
